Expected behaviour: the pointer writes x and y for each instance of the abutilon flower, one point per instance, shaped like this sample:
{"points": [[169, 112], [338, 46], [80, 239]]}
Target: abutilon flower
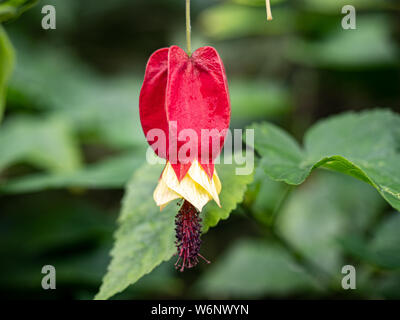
{"points": [[186, 98]]}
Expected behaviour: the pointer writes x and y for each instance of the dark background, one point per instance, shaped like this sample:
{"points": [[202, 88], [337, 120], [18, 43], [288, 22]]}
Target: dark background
{"points": [[73, 104]]}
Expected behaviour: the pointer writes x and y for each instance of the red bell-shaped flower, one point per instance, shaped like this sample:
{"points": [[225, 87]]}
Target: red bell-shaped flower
{"points": [[185, 111], [187, 98]]}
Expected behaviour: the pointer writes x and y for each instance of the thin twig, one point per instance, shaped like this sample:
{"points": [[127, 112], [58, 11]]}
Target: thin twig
{"points": [[188, 28], [269, 13]]}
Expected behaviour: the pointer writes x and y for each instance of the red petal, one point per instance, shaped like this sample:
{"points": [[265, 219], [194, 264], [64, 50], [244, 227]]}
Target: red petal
{"points": [[191, 92], [152, 97], [181, 169], [208, 168], [197, 98]]}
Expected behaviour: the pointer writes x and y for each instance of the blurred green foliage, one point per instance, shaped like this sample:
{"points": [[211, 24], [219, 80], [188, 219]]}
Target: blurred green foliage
{"points": [[146, 237], [71, 140], [12, 9], [365, 146], [46, 143], [270, 270], [6, 65], [369, 46]]}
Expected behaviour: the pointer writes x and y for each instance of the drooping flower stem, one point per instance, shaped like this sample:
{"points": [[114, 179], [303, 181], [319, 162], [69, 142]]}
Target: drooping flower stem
{"points": [[188, 232], [188, 29]]}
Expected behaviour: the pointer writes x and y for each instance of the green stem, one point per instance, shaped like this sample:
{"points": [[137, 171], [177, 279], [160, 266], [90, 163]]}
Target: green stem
{"points": [[188, 28], [279, 205]]}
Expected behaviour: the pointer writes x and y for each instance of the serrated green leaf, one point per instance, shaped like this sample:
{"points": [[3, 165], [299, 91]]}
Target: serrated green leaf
{"points": [[363, 145], [146, 236], [233, 189], [45, 143], [254, 268], [6, 66], [110, 173]]}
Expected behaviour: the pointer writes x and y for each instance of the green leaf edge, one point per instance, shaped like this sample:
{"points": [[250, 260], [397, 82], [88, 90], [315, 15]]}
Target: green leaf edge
{"points": [[322, 164], [100, 295], [121, 218], [211, 223], [9, 52]]}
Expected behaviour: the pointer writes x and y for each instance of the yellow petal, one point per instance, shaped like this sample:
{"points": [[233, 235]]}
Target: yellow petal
{"points": [[195, 187], [187, 188], [217, 182], [197, 173], [163, 195]]}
